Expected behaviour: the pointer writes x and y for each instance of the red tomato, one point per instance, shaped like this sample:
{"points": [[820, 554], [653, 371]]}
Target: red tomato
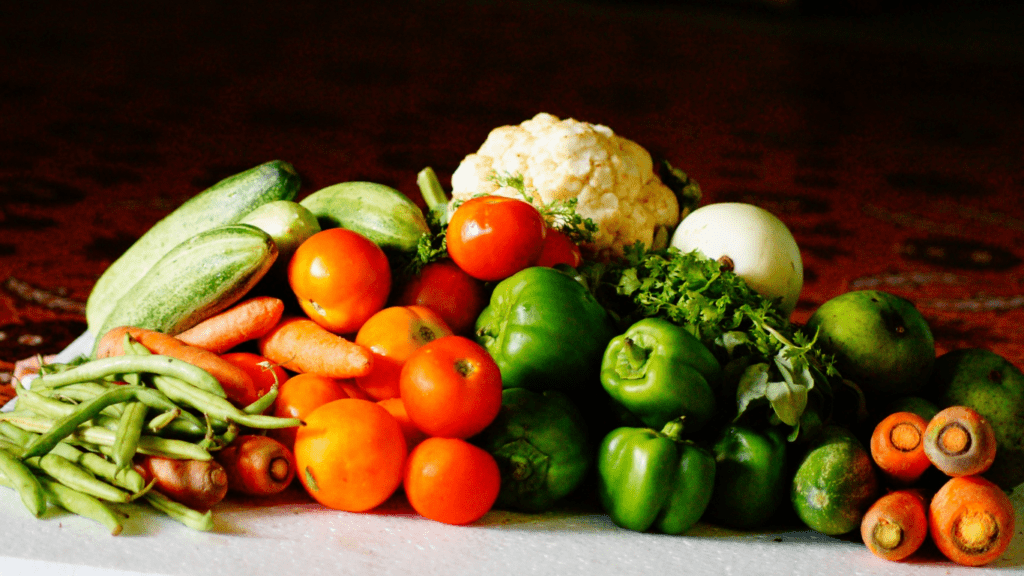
{"points": [[341, 278], [303, 393], [493, 237], [559, 249], [442, 286], [450, 480], [451, 387], [396, 408], [263, 372], [392, 335], [350, 454]]}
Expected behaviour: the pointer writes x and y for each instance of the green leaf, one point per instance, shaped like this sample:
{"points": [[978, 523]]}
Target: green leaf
{"points": [[788, 398], [753, 386]]}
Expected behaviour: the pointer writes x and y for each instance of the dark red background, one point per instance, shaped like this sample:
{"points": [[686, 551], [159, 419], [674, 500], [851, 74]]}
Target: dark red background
{"points": [[888, 138]]}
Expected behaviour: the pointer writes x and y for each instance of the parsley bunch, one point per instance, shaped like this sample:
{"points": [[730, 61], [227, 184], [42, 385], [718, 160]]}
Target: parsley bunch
{"points": [[772, 362]]}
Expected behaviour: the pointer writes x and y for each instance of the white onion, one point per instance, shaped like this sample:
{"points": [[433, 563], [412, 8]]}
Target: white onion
{"points": [[760, 248]]}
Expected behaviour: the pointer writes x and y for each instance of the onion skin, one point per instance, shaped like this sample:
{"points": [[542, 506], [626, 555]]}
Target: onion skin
{"points": [[753, 242]]}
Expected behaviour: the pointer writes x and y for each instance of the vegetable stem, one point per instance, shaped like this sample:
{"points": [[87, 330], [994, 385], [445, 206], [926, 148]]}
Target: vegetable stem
{"points": [[430, 188]]}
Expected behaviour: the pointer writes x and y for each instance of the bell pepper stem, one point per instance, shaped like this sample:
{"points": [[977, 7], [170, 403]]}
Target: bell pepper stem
{"points": [[632, 358], [673, 429]]}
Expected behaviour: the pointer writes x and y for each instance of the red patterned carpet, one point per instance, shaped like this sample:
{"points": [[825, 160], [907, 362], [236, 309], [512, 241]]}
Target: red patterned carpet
{"points": [[890, 143]]}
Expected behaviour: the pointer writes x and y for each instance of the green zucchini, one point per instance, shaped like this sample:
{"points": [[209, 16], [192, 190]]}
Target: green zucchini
{"points": [[195, 280], [384, 215], [226, 202]]}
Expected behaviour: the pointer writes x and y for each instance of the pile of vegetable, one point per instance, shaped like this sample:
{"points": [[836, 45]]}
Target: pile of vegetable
{"points": [[570, 323]]}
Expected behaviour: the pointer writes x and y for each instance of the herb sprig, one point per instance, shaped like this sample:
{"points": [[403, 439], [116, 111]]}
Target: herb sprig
{"points": [[559, 214]]}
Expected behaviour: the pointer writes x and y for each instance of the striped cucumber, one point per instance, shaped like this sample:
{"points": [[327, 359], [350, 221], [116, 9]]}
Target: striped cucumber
{"points": [[195, 280], [381, 213], [226, 202]]}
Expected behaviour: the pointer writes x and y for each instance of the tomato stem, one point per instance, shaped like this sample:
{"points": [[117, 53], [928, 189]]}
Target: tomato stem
{"points": [[464, 367]]}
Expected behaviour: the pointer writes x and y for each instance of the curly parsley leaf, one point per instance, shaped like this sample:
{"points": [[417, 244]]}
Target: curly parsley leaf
{"points": [[431, 246]]}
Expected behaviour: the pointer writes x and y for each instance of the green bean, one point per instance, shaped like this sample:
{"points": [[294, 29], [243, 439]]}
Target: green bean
{"points": [[73, 476], [78, 392], [11, 446], [190, 517], [157, 400], [263, 402], [184, 429], [162, 420], [27, 421], [82, 504], [216, 407], [65, 426], [152, 398], [129, 430], [129, 478], [25, 482], [102, 437], [14, 433], [153, 364], [44, 405], [127, 344]]}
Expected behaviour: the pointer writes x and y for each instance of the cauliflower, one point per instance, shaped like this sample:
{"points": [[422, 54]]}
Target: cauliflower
{"points": [[611, 178]]}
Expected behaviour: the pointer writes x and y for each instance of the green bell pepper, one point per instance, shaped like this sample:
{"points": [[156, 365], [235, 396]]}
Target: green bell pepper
{"points": [[658, 371], [539, 440], [546, 331], [751, 479], [654, 480]]}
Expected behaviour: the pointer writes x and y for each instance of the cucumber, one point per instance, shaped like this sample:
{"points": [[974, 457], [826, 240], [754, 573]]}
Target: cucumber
{"points": [[384, 215], [835, 483], [226, 202], [195, 280]]}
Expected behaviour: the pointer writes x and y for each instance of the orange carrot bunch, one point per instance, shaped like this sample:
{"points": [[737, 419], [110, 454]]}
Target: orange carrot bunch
{"points": [[970, 519]]}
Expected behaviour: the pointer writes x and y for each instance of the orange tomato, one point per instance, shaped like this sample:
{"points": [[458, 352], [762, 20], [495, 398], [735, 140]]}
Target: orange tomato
{"points": [[396, 407], [350, 455], [263, 376], [442, 286], [451, 387], [493, 237], [340, 278], [450, 480], [299, 395], [393, 334], [559, 249]]}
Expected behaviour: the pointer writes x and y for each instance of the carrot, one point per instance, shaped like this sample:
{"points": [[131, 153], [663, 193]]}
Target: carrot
{"points": [[301, 345], [237, 384], [247, 320], [960, 442], [971, 520], [896, 525], [198, 484], [897, 447], [257, 465]]}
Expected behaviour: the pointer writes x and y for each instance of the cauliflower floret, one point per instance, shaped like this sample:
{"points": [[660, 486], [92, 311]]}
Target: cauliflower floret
{"points": [[611, 177]]}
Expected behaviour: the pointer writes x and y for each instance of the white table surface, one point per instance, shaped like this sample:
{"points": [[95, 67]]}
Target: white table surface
{"points": [[293, 536]]}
